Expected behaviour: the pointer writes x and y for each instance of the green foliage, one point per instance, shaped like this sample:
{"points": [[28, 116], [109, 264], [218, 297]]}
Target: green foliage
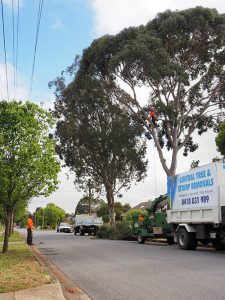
{"points": [[133, 214], [23, 221], [215, 159], [27, 155], [98, 140], [103, 212], [49, 216], [28, 165], [117, 231], [195, 164], [186, 86], [83, 205], [120, 210], [220, 139]]}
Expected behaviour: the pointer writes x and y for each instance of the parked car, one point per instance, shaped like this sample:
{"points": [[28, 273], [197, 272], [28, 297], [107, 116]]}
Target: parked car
{"points": [[64, 227]]}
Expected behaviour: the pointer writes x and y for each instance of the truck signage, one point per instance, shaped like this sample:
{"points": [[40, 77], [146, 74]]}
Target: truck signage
{"points": [[195, 188]]}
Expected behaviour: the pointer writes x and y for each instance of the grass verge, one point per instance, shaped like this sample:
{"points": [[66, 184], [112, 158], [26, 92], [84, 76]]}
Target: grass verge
{"points": [[19, 269]]}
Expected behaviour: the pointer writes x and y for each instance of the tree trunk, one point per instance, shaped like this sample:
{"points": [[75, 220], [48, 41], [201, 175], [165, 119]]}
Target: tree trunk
{"points": [[7, 230], [11, 225], [110, 200]]}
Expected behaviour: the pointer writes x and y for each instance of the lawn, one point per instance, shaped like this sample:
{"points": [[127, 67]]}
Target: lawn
{"points": [[18, 268]]}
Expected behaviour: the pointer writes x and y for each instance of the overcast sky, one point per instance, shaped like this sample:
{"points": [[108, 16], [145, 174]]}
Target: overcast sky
{"points": [[66, 28]]}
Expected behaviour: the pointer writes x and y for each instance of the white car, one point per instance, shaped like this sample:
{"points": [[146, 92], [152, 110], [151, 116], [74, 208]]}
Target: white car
{"points": [[64, 227]]}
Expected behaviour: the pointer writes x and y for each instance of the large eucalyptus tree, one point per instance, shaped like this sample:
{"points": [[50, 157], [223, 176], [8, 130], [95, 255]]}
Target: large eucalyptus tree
{"points": [[98, 140], [178, 58]]}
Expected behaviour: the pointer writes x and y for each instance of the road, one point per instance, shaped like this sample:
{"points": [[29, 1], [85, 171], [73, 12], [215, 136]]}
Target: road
{"points": [[122, 270]]}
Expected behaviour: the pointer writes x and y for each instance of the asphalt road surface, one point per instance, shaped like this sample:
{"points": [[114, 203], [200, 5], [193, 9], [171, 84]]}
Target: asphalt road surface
{"points": [[125, 270]]}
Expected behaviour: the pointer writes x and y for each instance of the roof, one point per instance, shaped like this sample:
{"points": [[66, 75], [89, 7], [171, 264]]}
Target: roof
{"points": [[143, 205], [148, 204]]}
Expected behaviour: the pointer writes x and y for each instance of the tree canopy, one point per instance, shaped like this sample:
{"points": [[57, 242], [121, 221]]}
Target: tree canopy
{"points": [[178, 58], [28, 164], [50, 216], [97, 139], [83, 205], [120, 210], [220, 139]]}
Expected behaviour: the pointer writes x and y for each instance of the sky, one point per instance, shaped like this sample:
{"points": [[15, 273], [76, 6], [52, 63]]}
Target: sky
{"points": [[66, 28]]}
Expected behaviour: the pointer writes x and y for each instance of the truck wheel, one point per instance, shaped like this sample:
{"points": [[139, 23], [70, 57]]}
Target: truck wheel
{"points": [[218, 245], [140, 238], [186, 240], [170, 240]]}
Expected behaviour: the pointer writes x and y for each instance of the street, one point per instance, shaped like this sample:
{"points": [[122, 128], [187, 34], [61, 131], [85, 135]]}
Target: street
{"points": [[118, 270]]}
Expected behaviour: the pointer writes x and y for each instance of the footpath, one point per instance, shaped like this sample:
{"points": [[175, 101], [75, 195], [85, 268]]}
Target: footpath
{"points": [[62, 288]]}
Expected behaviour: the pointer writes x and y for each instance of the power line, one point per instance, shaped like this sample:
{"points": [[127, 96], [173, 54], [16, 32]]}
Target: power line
{"points": [[17, 40], [35, 48], [3, 32], [13, 43]]}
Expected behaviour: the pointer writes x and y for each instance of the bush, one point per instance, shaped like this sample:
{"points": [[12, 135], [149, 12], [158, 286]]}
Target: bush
{"points": [[118, 231]]}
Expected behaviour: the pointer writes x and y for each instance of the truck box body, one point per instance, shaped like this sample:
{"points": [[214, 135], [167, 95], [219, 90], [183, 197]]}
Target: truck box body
{"points": [[197, 196], [87, 224], [88, 220]]}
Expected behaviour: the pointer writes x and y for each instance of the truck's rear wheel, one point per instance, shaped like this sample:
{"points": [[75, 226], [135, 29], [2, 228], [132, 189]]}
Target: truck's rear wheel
{"points": [[218, 245], [140, 238], [186, 240]]}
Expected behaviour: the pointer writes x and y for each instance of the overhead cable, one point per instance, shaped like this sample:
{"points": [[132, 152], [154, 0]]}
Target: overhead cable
{"points": [[17, 41], [35, 48], [3, 32], [13, 46]]}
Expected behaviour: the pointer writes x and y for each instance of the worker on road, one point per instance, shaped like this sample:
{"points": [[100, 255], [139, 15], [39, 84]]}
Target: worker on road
{"points": [[30, 227]]}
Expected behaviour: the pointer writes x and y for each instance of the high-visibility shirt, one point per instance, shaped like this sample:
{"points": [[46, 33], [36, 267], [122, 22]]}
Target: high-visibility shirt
{"points": [[29, 223], [140, 218], [152, 114]]}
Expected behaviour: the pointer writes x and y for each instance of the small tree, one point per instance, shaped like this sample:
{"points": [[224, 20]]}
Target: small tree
{"points": [[28, 165], [53, 215]]}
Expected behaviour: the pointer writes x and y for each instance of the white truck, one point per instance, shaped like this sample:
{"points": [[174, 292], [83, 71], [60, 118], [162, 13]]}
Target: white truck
{"points": [[87, 224], [197, 206]]}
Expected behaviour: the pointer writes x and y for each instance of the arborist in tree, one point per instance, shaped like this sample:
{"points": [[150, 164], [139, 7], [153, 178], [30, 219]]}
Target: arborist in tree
{"points": [[153, 117], [140, 218]]}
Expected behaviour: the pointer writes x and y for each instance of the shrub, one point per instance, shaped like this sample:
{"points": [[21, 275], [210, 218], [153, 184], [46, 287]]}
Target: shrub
{"points": [[118, 231], [103, 233]]}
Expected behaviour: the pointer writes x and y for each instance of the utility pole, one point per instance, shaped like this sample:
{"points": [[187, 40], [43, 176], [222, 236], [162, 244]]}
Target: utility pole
{"points": [[43, 216], [89, 196]]}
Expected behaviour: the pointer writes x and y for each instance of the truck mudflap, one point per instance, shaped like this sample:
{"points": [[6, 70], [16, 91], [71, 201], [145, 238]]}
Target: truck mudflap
{"points": [[188, 227]]}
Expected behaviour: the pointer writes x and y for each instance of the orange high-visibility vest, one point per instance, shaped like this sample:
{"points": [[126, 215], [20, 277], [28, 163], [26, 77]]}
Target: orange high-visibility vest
{"points": [[152, 114], [29, 223], [140, 218]]}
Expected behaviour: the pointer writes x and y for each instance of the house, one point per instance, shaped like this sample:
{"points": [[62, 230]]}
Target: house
{"points": [[148, 205]]}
